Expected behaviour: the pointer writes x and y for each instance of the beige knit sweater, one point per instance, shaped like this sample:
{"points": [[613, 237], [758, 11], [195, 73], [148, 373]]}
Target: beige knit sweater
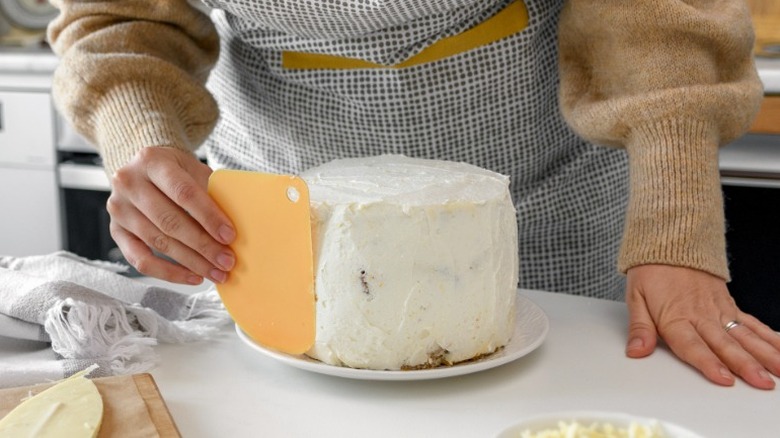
{"points": [[669, 80]]}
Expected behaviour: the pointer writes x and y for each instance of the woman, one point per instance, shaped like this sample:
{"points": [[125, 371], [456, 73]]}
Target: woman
{"points": [[301, 82]]}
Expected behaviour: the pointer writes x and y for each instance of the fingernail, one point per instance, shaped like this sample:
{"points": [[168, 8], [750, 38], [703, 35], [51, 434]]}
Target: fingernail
{"points": [[226, 261], [635, 344], [226, 234], [765, 376], [218, 276], [726, 373], [194, 279]]}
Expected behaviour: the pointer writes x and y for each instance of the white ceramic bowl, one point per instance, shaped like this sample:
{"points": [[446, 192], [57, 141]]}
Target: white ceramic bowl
{"points": [[541, 422]]}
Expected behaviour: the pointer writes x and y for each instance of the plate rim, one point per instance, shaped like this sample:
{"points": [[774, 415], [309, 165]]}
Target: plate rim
{"points": [[527, 311], [551, 418]]}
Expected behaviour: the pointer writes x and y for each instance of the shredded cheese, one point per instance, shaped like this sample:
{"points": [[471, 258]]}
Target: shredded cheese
{"points": [[598, 430]]}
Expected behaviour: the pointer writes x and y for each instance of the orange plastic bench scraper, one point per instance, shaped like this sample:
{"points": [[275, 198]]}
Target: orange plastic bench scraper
{"points": [[270, 291]]}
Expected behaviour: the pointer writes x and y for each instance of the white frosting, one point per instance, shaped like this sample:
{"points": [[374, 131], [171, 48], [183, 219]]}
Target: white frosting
{"points": [[415, 261]]}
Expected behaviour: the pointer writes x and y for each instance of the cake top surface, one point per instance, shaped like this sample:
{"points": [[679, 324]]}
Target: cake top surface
{"points": [[404, 180]]}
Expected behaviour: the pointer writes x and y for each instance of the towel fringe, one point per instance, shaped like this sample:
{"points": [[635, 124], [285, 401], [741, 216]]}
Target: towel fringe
{"points": [[125, 334], [207, 307]]}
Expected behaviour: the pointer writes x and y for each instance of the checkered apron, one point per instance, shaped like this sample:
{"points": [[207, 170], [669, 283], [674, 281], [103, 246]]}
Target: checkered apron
{"points": [[494, 106]]}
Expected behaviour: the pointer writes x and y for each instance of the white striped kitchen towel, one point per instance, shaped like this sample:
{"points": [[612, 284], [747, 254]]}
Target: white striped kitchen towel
{"points": [[61, 313]]}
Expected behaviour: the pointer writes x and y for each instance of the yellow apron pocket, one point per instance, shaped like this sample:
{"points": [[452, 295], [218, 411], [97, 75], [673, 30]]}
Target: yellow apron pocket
{"points": [[509, 21]]}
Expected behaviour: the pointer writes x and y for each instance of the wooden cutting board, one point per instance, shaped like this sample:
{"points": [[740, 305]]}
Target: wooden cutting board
{"points": [[132, 406]]}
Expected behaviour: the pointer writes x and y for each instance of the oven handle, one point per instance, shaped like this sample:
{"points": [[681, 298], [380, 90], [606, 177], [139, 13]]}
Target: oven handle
{"points": [[748, 181], [83, 177]]}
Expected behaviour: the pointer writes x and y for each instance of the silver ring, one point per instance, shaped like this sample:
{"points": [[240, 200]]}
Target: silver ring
{"points": [[731, 324]]}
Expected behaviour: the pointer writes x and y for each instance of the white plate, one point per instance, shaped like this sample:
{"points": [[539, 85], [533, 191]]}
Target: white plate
{"points": [[619, 419], [530, 330]]}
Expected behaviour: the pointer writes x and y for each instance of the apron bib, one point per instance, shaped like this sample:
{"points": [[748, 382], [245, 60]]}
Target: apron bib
{"points": [[472, 81]]}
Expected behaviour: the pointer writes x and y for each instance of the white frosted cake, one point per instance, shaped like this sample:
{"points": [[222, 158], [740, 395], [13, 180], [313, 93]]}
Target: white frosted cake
{"points": [[416, 262]]}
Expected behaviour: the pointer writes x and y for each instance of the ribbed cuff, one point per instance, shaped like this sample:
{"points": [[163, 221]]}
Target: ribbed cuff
{"points": [[131, 117], [675, 211]]}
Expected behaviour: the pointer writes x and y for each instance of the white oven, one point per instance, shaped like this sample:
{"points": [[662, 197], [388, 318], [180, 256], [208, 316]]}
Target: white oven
{"points": [[84, 189]]}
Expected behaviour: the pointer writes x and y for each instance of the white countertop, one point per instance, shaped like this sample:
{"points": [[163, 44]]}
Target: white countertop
{"points": [[223, 388]]}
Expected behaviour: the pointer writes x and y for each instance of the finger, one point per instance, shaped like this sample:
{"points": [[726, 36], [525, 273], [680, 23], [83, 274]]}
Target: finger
{"points": [[764, 352], [172, 225], [762, 330], [138, 254], [642, 335], [685, 342], [736, 351], [135, 223], [186, 192]]}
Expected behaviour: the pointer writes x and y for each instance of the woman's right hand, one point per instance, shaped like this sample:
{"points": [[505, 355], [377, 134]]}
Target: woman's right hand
{"points": [[159, 203]]}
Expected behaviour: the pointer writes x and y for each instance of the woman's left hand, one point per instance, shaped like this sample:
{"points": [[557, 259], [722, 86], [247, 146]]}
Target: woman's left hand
{"points": [[689, 310]]}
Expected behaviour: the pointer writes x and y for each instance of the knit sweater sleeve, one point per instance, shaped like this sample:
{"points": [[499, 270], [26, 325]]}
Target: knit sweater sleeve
{"points": [[670, 81], [132, 74]]}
